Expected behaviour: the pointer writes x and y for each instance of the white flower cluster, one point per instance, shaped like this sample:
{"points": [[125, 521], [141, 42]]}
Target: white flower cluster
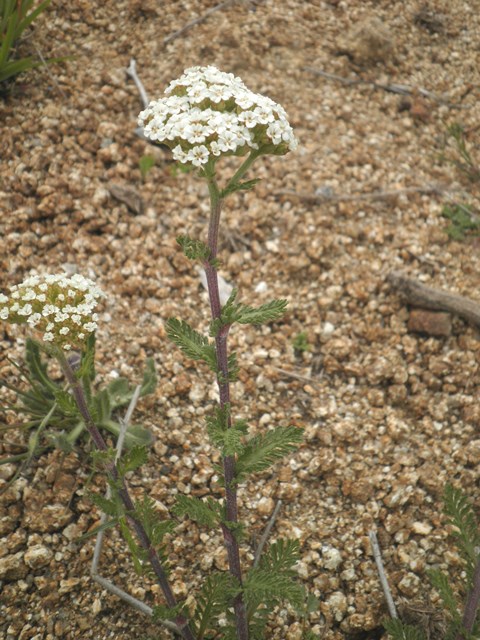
{"points": [[211, 113], [58, 307]]}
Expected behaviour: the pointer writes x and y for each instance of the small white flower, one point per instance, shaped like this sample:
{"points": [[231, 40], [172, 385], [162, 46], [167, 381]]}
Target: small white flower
{"points": [[26, 310], [90, 326], [34, 319], [3, 297], [48, 309], [29, 295], [63, 331], [48, 337], [67, 347], [4, 313], [198, 155]]}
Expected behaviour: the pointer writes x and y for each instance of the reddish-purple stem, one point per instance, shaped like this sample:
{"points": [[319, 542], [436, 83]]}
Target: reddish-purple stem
{"points": [[472, 604], [231, 543]]}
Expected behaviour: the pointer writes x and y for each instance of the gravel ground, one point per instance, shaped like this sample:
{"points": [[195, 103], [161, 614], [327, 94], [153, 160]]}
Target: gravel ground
{"points": [[390, 415]]}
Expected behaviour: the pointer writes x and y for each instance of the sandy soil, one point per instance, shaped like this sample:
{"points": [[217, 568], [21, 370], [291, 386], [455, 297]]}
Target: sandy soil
{"points": [[390, 415]]}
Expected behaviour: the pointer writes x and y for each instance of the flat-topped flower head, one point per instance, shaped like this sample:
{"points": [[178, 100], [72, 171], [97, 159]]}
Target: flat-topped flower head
{"points": [[58, 307], [207, 113]]}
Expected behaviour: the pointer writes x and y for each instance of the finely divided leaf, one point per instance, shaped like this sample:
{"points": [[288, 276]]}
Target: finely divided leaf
{"points": [[244, 314], [192, 343], [207, 512], [194, 249], [239, 186], [108, 505], [216, 595], [265, 449], [133, 459], [462, 516], [162, 612], [399, 631]]}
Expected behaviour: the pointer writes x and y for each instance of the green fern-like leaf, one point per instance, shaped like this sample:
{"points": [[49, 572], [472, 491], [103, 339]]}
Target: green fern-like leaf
{"points": [[155, 527], [133, 459], [271, 582], [216, 595], [462, 516], [441, 583], [208, 512], [239, 186], [194, 249], [399, 631], [162, 612], [265, 449], [228, 440], [109, 506], [192, 343], [244, 314]]}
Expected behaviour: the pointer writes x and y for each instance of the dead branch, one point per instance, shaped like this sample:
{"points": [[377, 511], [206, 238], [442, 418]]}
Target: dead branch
{"points": [[386, 194], [377, 554], [420, 295], [132, 73], [401, 89], [192, 23]]}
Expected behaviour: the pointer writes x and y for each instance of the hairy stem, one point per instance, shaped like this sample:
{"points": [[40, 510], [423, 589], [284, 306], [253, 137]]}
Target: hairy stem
{"points": [[124, 494], [230, 540], [472, 604]]}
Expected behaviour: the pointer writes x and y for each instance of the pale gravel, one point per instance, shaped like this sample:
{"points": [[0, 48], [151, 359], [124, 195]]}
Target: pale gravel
{"points": [[389, 416]]}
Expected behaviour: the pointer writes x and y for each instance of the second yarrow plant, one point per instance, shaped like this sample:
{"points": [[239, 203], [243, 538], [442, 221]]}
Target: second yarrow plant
{"points": [[206, 114]]}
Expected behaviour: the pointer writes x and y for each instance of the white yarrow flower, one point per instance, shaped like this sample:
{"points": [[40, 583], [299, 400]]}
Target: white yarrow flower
{"points": [[208, 113], [58, 306]]}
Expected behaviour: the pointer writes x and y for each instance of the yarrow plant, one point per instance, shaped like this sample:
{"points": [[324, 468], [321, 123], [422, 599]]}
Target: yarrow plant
{"points": [[206, 114]]}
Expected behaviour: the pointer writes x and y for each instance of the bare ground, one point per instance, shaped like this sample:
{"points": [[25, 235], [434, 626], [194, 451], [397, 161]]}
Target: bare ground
{"points": [[389, 415]]}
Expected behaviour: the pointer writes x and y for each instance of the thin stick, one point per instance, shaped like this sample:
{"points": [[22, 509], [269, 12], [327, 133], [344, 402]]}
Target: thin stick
{"points": [[52, 77], [132, 72], [266, 533], [384, 194], [297, 376], [192, 23], [377, 554], [401, 89]]}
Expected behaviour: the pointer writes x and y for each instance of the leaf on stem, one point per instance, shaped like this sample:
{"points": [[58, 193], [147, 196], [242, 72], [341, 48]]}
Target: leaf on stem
{"points": [[273, 580], [132, 459], [400, 631], [244, 314], [208, 512], [228, 440], [239, 186], [463, 518], [192, 343], [194, 249], [214, 598], [441, 583], [265, 449]]}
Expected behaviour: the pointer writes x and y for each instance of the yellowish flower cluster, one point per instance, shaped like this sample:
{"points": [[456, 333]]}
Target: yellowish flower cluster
{"points": [[58, 307]]}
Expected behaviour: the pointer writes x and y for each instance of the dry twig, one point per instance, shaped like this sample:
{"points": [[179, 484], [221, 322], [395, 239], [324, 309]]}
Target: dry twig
{"points": [[266, 533], [377, 555], [192, 23], [132, 73], [420, 295], [384, 194], [401, 89]]}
